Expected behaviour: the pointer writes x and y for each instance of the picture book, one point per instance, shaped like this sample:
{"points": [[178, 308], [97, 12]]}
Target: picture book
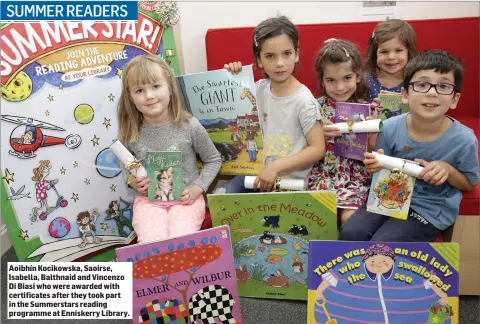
{"points": [[351, 145], [391, 193], [164, 169], [391, 105], [63, 197], [225, 105], [270, 234], [373, 282], [187, 279]]}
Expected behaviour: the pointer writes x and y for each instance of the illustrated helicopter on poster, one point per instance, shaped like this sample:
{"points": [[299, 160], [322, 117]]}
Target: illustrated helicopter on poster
{"points": [[28, 137]]}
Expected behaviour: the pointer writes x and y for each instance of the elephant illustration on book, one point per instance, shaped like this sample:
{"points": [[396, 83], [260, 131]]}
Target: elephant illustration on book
{"points": [[163, 311], [210, 303]]}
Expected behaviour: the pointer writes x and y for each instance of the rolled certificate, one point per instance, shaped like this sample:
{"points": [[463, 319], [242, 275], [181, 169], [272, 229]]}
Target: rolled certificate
{"points": [[409, 167], [131, 164], [285, 184], [367, 126]]}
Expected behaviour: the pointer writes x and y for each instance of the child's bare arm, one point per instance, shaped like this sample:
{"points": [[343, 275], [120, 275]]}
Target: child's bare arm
{"points": [[437, 172]]}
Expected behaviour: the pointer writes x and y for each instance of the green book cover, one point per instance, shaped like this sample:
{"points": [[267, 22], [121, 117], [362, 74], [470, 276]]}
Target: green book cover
{"points": [[164, 169], [270, 234], [392, 105]]}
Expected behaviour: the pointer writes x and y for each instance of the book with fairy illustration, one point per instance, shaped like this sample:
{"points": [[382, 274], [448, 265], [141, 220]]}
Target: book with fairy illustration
{"points": [[225, 105], [351, 145], [187, 279], [373, 282], [391, 193], [391, 105], [164, 169], [270, 234]]}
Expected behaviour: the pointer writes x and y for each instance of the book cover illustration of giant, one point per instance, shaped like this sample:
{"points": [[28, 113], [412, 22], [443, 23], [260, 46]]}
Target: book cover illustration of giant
{"points": [[188, 279], [225, 105], [270, 234], [373, 282], [351, 145], [63, 196]]}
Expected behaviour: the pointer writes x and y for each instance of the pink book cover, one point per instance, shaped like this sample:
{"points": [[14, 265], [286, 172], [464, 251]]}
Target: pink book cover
{"points": [[187, 279], [352, 145]]}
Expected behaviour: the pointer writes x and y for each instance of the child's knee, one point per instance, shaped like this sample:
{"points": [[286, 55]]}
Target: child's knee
{"points": [[345, 214]]}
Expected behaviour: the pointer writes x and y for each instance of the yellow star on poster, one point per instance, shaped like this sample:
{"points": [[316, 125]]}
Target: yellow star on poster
{"points": [[106, 122], [62, 170], [435, 319], [103, 226], [60, 86], [50, 97], [95, 140], [75, 165], [113, 230], [8, 176], [87, 182], [119, 72], [23, 234], [111, 97], [74, 197], [47, 113], [113, 187]]}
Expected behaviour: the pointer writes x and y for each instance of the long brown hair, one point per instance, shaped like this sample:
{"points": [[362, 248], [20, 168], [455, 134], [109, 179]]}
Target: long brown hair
{"points": [[337, 51], [385, 31], [139, 71], [38, 172]]}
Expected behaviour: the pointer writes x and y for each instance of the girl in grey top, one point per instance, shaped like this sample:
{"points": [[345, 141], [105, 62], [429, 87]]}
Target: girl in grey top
{"points": [[151, 118]]}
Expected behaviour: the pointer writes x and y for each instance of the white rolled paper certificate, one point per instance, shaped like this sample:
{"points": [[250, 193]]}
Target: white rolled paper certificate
{"points": [[285, 184], [367, 126], [409, 167], [128, 160]]}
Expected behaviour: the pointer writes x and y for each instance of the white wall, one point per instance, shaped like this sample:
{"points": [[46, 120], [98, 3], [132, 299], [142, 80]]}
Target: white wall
{"points": [[197, 17]]}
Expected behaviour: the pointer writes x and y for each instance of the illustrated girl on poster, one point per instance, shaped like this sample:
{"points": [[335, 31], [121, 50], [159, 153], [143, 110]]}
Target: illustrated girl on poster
{"points": [[42, 185], [379, 265]]}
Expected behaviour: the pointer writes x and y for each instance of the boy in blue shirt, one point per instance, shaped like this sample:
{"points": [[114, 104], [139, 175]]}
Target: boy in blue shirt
{"points": [[446, 149]]}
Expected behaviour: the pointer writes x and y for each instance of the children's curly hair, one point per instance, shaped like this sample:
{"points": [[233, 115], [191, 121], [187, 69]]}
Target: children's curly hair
{"points": [[385, 31], [337, 51]]}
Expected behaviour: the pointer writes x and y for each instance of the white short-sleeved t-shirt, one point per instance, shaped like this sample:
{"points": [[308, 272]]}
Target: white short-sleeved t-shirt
{"points": [[285, 123]]}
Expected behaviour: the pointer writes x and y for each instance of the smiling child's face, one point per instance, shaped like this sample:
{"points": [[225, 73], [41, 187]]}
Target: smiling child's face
{"points": [[379, 264]]}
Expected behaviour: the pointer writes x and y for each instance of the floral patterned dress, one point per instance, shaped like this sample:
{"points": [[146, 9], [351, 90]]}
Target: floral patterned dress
{"points": [[346, 177]]}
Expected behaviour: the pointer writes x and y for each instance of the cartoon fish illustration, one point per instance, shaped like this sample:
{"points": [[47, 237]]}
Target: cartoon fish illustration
{"points": [[297, 245], [261, 248], [273, 258]]}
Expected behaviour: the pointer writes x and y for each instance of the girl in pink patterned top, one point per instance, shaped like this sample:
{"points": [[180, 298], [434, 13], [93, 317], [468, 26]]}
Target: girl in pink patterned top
{"points": [[339, 69], [42, 185]]}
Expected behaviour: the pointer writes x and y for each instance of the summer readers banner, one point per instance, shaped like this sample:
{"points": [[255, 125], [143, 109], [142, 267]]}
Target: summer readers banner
{"points": [[63, 198]]}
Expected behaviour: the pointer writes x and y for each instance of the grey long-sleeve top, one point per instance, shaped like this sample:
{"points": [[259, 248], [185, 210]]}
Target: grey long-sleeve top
{"points": [[190, 139]]}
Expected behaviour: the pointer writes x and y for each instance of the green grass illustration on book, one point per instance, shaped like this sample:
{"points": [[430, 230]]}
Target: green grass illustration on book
{"points": [[164, 169]]}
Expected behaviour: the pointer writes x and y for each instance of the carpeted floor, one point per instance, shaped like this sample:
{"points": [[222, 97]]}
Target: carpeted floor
{"points": [[254, 311]]}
